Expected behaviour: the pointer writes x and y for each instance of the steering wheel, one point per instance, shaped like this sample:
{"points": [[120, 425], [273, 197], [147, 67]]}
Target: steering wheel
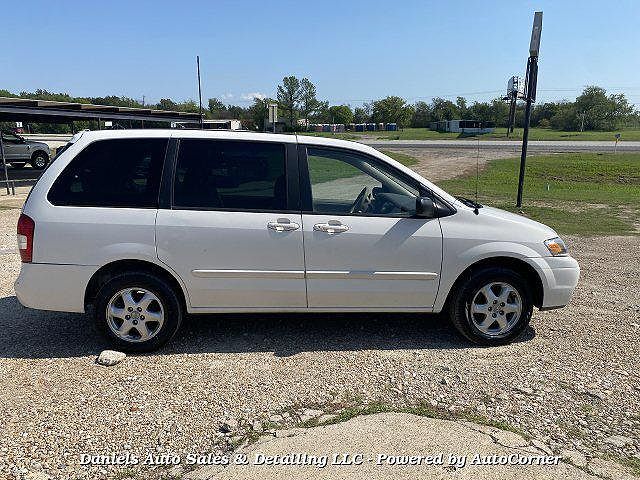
{"points": [[363, 200]]}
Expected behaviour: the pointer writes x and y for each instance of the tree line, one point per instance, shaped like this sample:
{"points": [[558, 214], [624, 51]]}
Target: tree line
{"points": [[299, 106]]}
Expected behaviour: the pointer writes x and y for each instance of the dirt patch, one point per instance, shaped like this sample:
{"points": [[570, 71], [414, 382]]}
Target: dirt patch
{"points": [[437, 164]]}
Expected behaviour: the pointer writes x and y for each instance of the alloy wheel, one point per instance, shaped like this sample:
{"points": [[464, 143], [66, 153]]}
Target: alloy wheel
{"points": [[496, 309], [135, 314]]}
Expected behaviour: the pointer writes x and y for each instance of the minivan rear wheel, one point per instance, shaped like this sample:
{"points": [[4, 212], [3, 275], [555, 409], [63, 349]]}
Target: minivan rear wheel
{"points": [[137, 312], [493, 306]]}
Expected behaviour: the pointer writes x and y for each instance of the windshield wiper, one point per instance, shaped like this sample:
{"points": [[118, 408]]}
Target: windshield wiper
{"points": [[469, 203]]}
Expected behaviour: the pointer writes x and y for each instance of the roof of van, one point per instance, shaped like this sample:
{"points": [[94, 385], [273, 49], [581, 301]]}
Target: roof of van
{"points": [[93, 135]]}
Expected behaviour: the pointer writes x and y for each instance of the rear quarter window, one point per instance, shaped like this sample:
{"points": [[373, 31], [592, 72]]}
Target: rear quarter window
{"points": [[113, 173]]}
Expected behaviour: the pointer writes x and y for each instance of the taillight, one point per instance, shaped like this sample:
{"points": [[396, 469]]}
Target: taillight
{"points": [[26, 227]]}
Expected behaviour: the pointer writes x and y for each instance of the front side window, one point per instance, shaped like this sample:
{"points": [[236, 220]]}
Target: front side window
{"points": [[344, 182], [219, 174], [113, 173], [10, 138]]}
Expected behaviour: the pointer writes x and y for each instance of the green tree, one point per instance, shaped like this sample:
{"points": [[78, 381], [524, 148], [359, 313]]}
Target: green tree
{"points": [[461, 103], [217, 109], [361, 115], [289, 94], [258, 113], [421, 115], [602, 112], [565, 117], [543, 113], [392, 109], [309, 104], [167, 104], [442, 109], [499, 112], [237, 112], [341, 114]]}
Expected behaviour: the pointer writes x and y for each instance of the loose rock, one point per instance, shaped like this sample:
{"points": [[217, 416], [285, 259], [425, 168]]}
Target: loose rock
{"points": [[109, 358]]}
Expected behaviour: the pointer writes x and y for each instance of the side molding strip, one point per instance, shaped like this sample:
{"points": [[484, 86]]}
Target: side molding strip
{"points": [[293, 274], [299, 274], [345, 275]]}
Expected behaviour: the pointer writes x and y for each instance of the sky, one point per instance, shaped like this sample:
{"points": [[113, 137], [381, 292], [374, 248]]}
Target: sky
{"points": [[352, 50]]}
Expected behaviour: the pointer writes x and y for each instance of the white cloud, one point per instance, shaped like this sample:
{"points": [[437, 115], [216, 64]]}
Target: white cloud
{"points": [[252, 95], [227, 96]]}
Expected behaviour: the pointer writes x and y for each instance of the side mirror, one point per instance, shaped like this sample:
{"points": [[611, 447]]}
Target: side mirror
{"points": [[425, 207]]}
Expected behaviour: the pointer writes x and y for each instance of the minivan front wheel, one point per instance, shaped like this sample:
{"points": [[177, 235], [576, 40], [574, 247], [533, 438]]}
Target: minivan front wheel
{"points": [[39, 160], [492, 307], [137, 311]]}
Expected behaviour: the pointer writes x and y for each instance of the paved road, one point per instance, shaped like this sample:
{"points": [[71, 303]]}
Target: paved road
{"points": [[26, 173], [534, 146]]}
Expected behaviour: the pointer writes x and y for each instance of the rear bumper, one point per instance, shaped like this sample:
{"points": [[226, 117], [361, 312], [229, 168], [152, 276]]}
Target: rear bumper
{"points": [[559, 277], [53, 287]]}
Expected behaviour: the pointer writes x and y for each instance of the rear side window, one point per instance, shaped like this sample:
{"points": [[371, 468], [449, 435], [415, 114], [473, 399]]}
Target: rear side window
{"points": [[217, 174], [113, 173]]}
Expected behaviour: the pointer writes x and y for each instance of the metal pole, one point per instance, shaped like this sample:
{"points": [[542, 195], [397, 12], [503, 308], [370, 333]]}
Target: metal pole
{"points": [[512, 114], [532, 80], [4, 163], [532, 73], [200, 92]]}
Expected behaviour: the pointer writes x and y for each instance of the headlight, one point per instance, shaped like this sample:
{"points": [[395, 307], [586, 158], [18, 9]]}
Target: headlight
{"points": [[556, 246]]}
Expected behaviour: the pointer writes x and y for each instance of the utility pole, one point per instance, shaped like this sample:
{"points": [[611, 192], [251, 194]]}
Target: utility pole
{"points": [[200, 92], [515, 90], [512, 114], [531, 81]]}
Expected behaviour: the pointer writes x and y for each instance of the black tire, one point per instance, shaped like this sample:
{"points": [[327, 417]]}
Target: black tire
{"points": [[18, 165], [460, 305], [170, 304], [39, 160]]}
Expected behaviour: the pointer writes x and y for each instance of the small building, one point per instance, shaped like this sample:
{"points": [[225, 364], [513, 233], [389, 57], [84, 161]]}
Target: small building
{"points": [[224, 124], [463, 126]]}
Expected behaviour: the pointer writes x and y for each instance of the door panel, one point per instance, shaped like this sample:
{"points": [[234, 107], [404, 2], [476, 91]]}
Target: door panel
{"points": [[234, 259], [377, 263], [14, 148], [233, 234], [364, 247]]}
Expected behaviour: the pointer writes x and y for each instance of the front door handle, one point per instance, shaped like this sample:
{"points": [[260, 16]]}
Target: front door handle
{"points": [[283, 225], [330, 228]]}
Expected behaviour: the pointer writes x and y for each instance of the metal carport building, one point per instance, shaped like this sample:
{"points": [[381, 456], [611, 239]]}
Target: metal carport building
{"points": [[45, 111]]}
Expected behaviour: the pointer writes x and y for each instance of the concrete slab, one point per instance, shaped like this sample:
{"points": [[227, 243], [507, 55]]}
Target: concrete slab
{"points": [[441, 449]]}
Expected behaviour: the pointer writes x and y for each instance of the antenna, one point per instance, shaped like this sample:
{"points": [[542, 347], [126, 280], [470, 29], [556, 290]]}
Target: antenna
{"points": [[199, 92], [475, 210]]}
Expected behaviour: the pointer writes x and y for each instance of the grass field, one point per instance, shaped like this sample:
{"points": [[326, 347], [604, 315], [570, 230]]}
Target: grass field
{"points": [[585, 194], [499, 134]]}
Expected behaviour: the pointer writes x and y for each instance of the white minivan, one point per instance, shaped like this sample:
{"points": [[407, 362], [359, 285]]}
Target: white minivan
{"points": [[142, 227]]}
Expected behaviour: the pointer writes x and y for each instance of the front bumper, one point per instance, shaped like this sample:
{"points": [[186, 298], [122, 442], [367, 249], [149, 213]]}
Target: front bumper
{"points": [[53, 287], [559, 277]]}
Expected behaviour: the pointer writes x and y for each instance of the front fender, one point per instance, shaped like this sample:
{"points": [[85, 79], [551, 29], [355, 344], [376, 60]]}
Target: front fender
{"points": [[456, 262]]}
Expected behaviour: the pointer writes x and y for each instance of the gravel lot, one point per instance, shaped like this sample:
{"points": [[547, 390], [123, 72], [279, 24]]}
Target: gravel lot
{"points": [[572, 381]]}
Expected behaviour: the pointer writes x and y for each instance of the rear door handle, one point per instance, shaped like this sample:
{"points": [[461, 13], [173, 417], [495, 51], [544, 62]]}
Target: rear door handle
{"points": [[330, 228], [283, 225]]}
